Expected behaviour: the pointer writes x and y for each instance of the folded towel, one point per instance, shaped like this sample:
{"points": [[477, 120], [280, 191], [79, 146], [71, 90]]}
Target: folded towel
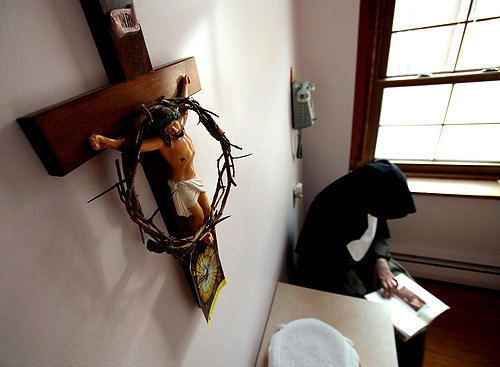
{"points": [[311, 343]]}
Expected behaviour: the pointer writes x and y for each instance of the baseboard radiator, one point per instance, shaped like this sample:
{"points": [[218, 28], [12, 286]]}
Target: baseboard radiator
{"points": [[459, 272]]}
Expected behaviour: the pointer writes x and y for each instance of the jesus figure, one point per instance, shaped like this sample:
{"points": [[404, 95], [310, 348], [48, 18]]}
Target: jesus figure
{"points": [[176, 147]]}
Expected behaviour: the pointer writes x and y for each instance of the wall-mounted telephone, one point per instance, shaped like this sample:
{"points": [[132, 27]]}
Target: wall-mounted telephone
{"points": [[303, 109]]}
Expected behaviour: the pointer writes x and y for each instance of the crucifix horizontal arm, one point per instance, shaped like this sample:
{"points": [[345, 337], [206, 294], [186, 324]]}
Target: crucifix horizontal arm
{"points": [[59, 134]]}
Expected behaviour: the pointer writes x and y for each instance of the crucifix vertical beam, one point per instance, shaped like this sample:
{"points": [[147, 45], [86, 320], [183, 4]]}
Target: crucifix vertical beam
{"points": [[124, 56]]}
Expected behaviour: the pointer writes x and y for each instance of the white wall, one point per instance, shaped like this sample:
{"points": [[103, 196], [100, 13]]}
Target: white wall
{"points": [[77, 286], [327, 36], [458, 229]]}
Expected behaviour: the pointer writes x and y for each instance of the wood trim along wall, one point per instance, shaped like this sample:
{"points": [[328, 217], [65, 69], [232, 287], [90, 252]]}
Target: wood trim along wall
{"points": [[370, 66]]}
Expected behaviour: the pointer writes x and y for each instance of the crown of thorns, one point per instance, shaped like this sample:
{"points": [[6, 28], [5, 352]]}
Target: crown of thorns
{"points": [[163, 242]]}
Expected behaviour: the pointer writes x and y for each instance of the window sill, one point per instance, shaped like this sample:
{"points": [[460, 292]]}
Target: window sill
{"points": [[453, 187]]}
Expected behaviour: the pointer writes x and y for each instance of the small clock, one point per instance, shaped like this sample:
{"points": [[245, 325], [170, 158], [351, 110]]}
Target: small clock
{"points": [[206, 275]]}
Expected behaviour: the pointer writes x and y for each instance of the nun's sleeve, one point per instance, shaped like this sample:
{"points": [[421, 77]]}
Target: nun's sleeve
{"points": [[380, 244], [381, 248]]}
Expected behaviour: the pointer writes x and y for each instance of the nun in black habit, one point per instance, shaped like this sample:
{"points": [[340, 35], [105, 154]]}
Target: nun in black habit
{"points": [[344, 243]]}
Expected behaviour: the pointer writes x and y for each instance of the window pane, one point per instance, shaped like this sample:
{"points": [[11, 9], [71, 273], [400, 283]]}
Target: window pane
{"points": [[480, 48], [407, 142], [424, 50], [415, 105], [485, 9], [414, 14], [474, 103], [470, 143]]}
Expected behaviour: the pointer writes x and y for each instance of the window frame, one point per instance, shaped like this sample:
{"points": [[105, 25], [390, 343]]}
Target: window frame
{"points": [[374, 37]]}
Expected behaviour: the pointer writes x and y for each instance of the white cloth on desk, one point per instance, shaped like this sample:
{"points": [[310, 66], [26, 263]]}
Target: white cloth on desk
{"points": [[311, 343], [185, 194]]}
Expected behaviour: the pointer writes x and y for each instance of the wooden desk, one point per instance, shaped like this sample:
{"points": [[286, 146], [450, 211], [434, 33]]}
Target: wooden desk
{"points": [[366, 323]]}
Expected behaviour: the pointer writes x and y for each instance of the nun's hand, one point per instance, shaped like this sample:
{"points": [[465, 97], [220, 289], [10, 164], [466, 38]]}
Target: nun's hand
{"points": [[385, 277]]}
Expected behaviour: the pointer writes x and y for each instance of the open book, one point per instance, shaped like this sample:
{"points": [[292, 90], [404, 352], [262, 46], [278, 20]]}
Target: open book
{"points": [[412, 307]]}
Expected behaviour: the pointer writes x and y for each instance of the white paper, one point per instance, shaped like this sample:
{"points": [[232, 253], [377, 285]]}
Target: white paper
{"points": [[433, 307], [406, 319]]}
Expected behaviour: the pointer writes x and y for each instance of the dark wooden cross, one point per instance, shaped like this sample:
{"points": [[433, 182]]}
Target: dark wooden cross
{"points": [[59, 134]]}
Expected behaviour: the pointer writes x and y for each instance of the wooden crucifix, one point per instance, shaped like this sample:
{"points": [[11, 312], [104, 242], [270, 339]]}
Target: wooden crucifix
{"points": [[60, 136]]}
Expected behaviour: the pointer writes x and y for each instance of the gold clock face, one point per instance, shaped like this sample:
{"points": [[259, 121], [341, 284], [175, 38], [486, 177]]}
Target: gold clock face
{"points": [[206, 273], [207, 276]]}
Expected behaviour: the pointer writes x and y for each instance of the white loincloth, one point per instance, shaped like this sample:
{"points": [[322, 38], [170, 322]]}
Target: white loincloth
{"points": [[185, 194]]}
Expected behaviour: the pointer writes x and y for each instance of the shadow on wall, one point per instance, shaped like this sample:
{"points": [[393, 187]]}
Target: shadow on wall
{"points": [[60, 261], [169, 318], [288, 268]]}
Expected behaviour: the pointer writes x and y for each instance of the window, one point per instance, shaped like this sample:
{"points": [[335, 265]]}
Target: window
{"points": [[428, 87]]}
